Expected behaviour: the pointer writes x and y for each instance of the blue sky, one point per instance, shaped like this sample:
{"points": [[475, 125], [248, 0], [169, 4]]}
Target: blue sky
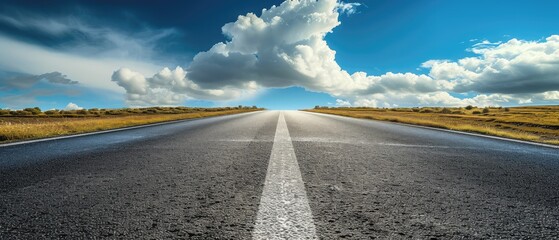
{"points": [[406, 53]]}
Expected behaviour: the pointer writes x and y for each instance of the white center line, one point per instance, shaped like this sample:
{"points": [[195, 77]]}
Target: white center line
{"points": [[284, 211]]}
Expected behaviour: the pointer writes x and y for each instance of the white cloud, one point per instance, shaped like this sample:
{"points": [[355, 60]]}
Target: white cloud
{"points": [[142, 91], [551, 95], [342, 103], [133, 82], [366, 102], [72, 106], [485, 44], [285, 46], [348, 8], [282, 47], [513, 67], [516, 71], [171, 87]]}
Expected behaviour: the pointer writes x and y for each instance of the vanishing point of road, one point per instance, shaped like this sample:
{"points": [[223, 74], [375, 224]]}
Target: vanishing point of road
{"points": [[279, 175]]}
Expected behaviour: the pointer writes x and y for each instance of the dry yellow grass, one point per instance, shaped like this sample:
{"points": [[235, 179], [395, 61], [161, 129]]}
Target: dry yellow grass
{"points": [[537, 124], [24, 128]]}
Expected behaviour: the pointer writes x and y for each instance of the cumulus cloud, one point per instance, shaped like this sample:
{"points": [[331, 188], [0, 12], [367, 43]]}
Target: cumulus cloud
{"points": [[72, 106], [282, 47], [147, 91], [285, 46], [171, 87], [513, 72], [513, 67]]}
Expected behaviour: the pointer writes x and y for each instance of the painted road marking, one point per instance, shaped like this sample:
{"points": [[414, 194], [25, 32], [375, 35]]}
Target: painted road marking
{"points": [[284, 211]]}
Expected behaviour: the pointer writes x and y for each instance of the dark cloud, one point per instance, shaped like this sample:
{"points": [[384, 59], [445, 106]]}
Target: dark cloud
{"points": [[23, 81], [55, 77]]}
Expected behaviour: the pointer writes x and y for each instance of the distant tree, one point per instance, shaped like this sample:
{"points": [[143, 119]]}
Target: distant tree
{"points": [[51, 112], [34, 111], [469, 107], [507, 109], [486, 110], [23, 113], [446, 111]]}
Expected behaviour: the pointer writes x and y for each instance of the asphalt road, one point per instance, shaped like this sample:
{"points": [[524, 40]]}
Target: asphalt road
{"points": [[204, 179]]}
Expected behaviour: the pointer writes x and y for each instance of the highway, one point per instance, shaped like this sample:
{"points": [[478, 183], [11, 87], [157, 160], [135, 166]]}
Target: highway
{"points": [[279, 174]]}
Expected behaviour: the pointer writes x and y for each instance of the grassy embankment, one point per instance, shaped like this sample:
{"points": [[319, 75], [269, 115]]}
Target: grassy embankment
{"points": [[32, 123], [535, 123]]}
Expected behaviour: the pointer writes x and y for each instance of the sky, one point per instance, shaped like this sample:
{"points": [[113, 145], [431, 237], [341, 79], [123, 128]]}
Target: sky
{"points": [[278, 54]]}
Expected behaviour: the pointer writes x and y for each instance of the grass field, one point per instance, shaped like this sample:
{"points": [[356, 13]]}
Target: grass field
{"points": [[16, 126], [535, 123]]}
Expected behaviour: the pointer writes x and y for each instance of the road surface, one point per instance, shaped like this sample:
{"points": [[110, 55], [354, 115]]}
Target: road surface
{"points": [[272, 174]]}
